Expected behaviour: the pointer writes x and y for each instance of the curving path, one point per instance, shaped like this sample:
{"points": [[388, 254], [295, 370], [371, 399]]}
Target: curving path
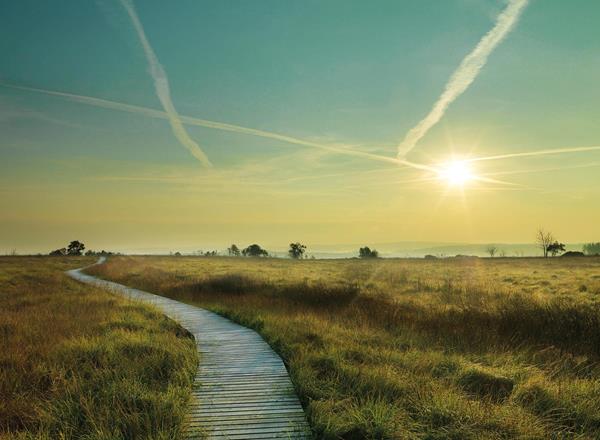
{"points": [[242, 389]]}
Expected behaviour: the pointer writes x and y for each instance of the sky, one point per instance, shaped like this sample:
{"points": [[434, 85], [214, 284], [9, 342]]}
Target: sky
{"points": [[347, 79]]}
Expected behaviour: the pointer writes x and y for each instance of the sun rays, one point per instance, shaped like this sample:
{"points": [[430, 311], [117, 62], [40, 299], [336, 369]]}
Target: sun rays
{"points": [[456, 173]]}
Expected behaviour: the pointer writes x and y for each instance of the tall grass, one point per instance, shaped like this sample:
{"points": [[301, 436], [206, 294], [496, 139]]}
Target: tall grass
{"points": [[78, 362], [413, 349]]}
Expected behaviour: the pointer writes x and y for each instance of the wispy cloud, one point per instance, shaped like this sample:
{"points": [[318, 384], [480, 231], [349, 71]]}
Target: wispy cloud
{"points": [[466, 73], [253, 176], [161, 85]]}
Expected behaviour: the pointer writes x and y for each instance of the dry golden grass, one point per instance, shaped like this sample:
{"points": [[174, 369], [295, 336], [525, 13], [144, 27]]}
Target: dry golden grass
{"points": [[446, 349], [78, 362]]}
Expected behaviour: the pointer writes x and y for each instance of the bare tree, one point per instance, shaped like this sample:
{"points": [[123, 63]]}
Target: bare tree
{"points": [[492, 249], [544, 239]]}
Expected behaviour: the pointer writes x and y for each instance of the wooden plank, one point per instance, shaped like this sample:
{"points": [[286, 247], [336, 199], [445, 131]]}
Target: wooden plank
{"points": [[241, 389]]}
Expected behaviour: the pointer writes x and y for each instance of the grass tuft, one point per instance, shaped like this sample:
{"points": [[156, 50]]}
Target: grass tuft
{"points": [[483, 384]]}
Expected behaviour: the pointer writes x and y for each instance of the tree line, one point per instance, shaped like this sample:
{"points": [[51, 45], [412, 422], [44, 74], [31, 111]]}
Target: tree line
{"points": [[296, 251], [76, 247], [549, 246], [545, 241]]}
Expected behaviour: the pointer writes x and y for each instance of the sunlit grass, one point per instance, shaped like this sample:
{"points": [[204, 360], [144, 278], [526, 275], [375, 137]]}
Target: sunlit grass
{"points": [[79, 362], [413, 349]]}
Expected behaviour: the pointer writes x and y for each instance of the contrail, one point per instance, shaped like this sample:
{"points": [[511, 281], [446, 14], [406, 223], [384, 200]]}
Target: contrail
{"points": [[543, 170], [535, 153], [188, 120], [161, 85], [466, 73]]}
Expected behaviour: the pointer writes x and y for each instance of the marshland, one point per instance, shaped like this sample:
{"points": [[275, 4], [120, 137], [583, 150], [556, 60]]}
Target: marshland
{"points": [[452, 348]]}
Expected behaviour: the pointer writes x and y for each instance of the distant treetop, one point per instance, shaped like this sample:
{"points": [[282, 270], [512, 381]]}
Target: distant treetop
{"points": [[296, 250], [555, 248], [75, 248], [254, 250], [366, 252], [233, 251]]}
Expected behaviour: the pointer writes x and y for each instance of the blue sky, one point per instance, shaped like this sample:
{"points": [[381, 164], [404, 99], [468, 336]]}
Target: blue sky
{"points": [[341, 72]]}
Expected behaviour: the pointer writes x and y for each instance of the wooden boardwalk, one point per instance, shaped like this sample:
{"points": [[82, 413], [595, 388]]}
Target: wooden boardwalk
{"points": [[242, 389]]}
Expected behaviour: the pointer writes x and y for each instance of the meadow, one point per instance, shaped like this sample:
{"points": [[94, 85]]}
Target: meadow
{"points": [[412, 349], [82, 363]]}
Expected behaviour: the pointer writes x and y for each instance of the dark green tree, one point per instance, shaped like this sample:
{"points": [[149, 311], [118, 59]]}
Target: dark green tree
{"points": [[233, 251], [296, 250], [366, 252], [555, 248], [254, 250], [75, 248]]}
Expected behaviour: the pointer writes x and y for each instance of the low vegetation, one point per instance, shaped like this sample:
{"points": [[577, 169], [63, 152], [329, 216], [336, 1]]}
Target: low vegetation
{"points": [[425, 349], [591, 248], [78, 362]]}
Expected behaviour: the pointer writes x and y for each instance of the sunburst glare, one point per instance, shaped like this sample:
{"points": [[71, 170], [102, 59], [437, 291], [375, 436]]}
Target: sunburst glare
{"points": [[456, 173]]}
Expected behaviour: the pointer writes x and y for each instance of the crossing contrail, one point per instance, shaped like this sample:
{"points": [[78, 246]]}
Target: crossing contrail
{"points": [[188, 120], [466, 73], [161, 85]]}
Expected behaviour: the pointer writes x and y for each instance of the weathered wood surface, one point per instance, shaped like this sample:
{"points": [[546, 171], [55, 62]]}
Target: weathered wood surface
{"points": [[242, 389]]}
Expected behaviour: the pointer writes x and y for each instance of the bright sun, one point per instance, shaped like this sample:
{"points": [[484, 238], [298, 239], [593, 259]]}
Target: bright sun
{"points": [[455, 173]]}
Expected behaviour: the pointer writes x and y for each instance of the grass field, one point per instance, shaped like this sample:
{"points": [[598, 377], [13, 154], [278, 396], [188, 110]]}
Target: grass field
{"points": [[445, 349], [81, 363]]}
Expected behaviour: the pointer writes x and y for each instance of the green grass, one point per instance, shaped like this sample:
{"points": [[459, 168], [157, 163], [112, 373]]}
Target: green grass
{"points": [[78, 362], [446, 349]]}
